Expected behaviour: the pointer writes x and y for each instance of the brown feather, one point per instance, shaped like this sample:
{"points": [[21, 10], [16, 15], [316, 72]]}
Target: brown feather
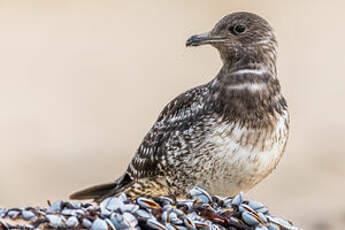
{"points": [[93, 192]]}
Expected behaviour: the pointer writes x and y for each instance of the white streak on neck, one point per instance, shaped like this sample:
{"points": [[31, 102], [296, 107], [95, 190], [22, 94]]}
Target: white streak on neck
{"points": [[252, 86], [250, 71], [247, 85]]}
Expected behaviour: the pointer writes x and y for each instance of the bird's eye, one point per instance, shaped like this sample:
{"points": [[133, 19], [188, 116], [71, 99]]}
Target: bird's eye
{"points": [[238, 29]]}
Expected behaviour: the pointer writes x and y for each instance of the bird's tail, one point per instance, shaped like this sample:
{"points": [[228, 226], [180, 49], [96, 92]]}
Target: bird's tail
{"points": [[149, 187], [102, 191], [93, 192]]}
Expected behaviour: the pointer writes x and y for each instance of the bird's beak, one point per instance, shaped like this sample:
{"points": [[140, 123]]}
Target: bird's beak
{"points": [[202, 39]]}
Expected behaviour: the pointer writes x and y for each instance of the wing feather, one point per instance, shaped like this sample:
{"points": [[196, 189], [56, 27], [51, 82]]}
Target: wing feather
{"points": [[177, 115]]}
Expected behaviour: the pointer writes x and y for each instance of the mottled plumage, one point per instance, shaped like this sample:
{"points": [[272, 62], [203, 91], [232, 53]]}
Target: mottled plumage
{"points": [[226, 135]]}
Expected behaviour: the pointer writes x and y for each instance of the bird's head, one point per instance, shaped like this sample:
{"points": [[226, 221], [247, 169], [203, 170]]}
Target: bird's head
{"points": [[239, 36]]}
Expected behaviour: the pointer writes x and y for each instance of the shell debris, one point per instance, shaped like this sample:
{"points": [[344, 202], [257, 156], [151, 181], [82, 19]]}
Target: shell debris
{"points": [[199, 211]]}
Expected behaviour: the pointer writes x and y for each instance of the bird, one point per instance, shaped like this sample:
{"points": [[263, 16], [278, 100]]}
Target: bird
{"points": [[224, 136]]}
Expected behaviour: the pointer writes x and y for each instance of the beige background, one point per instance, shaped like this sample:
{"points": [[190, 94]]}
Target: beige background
{"points": [[81, 82]]}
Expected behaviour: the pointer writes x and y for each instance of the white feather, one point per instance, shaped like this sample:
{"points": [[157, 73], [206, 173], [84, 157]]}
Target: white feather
{"points": [[248, 85], [250, 71], [249, 164]]}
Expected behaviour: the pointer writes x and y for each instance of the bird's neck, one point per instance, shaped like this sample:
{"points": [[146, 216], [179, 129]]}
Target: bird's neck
{"points": [[257, 57], [249, 91]]}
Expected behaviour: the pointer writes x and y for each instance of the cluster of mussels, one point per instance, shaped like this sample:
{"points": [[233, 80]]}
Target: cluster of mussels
{"points": [[200, 211]]}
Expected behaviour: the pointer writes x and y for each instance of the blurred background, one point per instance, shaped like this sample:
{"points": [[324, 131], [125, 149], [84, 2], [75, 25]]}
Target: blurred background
{"points": [[81, 82]]}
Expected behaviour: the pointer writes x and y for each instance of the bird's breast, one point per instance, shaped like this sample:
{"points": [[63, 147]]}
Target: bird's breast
{"points": [[246, 155]]}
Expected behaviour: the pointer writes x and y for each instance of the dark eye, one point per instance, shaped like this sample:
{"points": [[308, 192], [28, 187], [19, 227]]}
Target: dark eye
{"points": [[238, 29]]}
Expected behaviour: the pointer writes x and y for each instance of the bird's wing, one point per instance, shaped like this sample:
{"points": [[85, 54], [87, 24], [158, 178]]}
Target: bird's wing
{"points": [[177, 115]]}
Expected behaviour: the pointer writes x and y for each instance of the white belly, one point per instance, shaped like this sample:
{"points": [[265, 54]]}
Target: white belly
{"points": [[246, 156]]}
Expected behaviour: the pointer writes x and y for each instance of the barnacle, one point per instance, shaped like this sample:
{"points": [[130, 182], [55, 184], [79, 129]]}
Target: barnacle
{"points": [[160, 213]]}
